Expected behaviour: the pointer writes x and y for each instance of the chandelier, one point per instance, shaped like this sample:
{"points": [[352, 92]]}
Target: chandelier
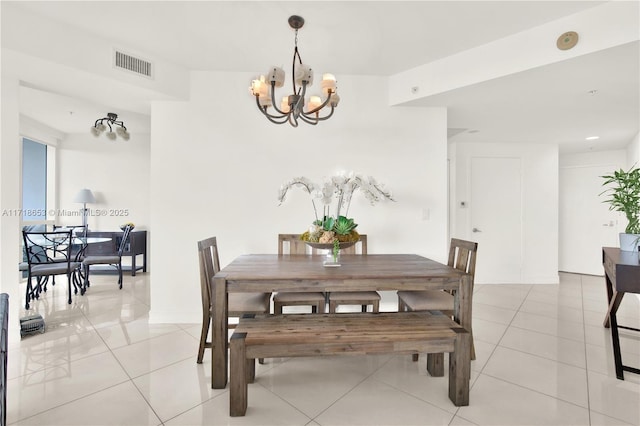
{"points": [[112, 121], [292, 107]]}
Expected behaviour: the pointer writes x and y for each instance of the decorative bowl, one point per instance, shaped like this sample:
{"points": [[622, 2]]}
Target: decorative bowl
{"points": [[329, 246]]}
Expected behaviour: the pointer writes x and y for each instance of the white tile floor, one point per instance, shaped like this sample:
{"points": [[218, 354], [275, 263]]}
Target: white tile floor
{"points": [[543, 358]]}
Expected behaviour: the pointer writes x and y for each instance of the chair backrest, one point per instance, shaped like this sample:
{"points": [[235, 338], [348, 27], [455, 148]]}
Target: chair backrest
{"points": [[42, 247], [292, 244], [462, 255], [78, 230], [125, 238], [296, 246], [209, 266]]}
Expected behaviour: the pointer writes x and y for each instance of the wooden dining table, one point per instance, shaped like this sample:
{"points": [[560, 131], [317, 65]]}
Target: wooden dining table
{"points": [[266, 273]]}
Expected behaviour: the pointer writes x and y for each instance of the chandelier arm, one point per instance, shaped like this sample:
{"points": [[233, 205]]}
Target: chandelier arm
{"points": [[325, 117], [273, 97], [293, 120], [293, 65], [306, 119], [98, 120], [271, 119], [322, 105], [264, 111]]}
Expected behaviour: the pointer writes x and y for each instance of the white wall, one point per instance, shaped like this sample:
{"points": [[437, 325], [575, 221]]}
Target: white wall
{"points": [[10, 170], [633, 152], [217, 164], [117, 172], [583, 213], [539, 202]]}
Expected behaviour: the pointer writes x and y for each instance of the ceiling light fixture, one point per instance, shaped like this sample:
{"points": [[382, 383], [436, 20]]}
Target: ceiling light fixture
{"points": [[592, 138], [112, 121], [292, 107]]}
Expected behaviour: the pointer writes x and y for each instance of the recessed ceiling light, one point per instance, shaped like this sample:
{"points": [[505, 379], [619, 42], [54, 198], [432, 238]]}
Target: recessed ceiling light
{"points": [[592, 92], [592, 138]]}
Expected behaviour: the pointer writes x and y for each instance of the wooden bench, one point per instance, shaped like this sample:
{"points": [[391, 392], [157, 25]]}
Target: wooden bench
{"points": [[274, 336]]}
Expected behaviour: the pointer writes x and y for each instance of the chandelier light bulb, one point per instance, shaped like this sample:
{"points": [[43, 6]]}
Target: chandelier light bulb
{"points": [[94, 131], [292, 108], [304, 74], [258, 86], [328, 84], [314, 102], [276, 75], [284, 105], [335, 99], [265, 100]]}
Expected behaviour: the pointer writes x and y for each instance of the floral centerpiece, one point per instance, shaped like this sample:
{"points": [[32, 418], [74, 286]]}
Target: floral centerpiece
{"points": [[335, 194]]}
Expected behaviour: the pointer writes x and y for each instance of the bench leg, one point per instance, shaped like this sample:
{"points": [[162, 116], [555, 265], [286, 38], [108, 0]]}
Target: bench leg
{"points": [[239, 375], [251, 370], [460, 368], [435, 364]]}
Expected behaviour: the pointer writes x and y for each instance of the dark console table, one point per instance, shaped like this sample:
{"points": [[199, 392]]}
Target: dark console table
{"points": [[136, 246], [622, 275]]}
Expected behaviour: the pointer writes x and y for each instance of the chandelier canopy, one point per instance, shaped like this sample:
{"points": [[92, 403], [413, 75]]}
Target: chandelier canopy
{"points": [[112, 121], [292, 107]]}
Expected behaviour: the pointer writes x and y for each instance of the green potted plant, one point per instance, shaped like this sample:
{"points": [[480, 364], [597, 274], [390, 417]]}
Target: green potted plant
{"points": [[623, 192]]}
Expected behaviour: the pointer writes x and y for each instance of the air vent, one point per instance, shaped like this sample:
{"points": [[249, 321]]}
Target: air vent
{"points": [[131, 63]]}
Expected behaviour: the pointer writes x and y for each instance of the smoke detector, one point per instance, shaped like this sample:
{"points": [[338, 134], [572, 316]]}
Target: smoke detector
{"points": [[567, 40]]}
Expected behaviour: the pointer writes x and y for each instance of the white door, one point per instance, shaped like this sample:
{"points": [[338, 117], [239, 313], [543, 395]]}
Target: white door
{"points": [[496, 218], [586, 224]]}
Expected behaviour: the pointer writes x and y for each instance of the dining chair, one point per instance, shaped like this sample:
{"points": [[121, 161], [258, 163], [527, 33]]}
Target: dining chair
{"points": [[76, 249], [40, 249], [462, 256], [238, 303], [292, 244], [362, 298], [109, 259]]}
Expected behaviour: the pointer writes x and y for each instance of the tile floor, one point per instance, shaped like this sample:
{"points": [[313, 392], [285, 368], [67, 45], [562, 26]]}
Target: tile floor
{"points": [[543, 359]]}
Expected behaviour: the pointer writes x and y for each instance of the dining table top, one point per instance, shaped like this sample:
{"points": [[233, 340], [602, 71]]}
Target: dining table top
{"points": [[389, 271]]}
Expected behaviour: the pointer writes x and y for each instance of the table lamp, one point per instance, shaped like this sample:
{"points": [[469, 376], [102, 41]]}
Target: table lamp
{"points": [[84, 196]]}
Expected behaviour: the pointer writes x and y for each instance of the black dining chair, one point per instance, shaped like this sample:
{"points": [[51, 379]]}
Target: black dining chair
{"points": [[114, 259], [49, 254]]}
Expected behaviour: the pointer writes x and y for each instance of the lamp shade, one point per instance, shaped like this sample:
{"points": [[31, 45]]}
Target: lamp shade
{"points": [[84, 196]]}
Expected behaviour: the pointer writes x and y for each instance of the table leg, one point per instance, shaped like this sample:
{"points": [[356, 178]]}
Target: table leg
{"points": [[614, 303], [617, 356], [609, 286], [219, 359]]}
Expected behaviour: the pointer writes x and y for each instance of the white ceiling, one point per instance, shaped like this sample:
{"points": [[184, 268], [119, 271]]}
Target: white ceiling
{"points": [[363, 37]]}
